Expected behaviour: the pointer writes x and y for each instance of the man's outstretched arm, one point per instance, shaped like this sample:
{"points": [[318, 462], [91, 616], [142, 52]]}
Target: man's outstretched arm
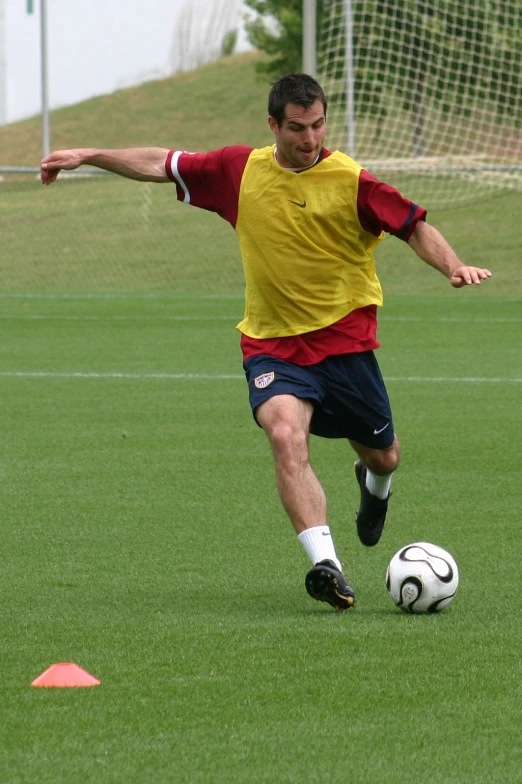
{"points": [[429, 244], [139, 163]]}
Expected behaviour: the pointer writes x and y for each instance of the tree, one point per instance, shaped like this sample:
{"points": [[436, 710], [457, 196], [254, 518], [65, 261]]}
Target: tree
{"points": [[452, 53], [284, 43], [205, 31]]}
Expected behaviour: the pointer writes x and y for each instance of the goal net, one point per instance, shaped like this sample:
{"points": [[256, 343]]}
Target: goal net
{"points": [[427, 95]]}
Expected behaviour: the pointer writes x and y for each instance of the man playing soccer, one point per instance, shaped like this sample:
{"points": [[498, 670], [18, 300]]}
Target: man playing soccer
{"points": [[307, 222]]}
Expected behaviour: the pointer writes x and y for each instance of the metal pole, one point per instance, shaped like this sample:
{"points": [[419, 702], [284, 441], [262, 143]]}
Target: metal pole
{"points": [[350, 78], [3, 64], [46, 133], [309, 37]]}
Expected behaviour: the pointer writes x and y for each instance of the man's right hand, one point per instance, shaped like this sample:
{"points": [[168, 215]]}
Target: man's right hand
{"points": [[63, 159], [146, 164]]}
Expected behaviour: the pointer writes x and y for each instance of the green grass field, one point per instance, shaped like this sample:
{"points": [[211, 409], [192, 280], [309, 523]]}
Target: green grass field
{"points": [[142, 536]]}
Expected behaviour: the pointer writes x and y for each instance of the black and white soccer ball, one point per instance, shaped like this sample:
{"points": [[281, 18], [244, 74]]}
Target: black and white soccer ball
{"points": [[422, 578]]}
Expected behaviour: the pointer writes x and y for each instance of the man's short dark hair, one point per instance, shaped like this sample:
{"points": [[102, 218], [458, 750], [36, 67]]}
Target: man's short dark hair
{"points": [[298, 88]]}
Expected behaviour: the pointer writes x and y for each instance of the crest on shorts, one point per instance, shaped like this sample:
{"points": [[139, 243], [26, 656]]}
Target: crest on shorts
{"points": [[261, 382]]}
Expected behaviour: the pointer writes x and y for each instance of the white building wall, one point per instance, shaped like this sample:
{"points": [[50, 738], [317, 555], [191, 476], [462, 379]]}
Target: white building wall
{"points": [[94, 46], [3, 63], [22, 58]]}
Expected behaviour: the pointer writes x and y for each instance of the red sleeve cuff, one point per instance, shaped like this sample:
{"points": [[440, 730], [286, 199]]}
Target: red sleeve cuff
{"points": [[168, 166]]}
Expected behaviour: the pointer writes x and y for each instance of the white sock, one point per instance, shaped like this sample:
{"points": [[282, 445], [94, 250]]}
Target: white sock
{"points": [[319, 545], [378, 485]]}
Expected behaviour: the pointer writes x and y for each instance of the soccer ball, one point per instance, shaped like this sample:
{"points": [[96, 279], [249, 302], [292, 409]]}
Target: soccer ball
{"points": [[422, 578]]}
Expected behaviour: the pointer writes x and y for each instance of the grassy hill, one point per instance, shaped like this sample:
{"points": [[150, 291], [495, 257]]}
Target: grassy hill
{"points": [[217, 104], [113, 234]]}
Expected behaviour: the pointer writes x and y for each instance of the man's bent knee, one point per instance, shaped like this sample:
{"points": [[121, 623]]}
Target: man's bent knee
{"points": [[284, 411], [286, 437], [379, 461], [286, 421], [384, 462]]}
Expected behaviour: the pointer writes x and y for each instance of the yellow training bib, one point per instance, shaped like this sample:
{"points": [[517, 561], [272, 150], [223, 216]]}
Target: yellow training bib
{"points": [[307, 260]]}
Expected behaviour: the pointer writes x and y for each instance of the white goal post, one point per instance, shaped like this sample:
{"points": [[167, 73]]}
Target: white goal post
{"points": [[427, 92]]}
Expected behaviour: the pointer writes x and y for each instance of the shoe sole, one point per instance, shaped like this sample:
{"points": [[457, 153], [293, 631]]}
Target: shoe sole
{"points": [[322, 585]]}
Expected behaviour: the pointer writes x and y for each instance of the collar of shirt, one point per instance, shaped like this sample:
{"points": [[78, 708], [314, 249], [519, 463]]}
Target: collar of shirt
{"points": [[303, 168]]}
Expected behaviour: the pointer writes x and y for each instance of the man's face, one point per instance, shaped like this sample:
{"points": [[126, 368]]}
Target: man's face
{"points": [[300, 138]]}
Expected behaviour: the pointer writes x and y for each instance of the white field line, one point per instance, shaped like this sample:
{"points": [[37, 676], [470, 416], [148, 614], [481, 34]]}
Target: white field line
{"points": [[88, 297], [449, 379], [34, 317], [458, 319], [134, 376], [236, 376], [145, 317], [195, 297]]}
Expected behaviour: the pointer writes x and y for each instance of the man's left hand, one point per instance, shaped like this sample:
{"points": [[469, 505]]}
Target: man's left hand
{"points": [[465, 276]]}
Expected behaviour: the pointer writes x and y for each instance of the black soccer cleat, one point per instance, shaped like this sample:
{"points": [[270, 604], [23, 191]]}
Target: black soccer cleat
{"points": [[326, 583], [372, 512]]}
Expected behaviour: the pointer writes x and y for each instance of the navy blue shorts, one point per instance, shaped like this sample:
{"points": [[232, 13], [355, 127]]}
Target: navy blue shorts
{"points": [[347, 391]]}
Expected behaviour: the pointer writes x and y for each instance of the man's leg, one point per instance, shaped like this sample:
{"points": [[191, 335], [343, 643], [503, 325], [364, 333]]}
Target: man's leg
{"points": [[286, 421], [374, 471]]}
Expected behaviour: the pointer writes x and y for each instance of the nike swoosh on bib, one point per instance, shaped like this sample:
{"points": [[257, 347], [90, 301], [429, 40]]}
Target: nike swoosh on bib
{"points": [[298, 203]]}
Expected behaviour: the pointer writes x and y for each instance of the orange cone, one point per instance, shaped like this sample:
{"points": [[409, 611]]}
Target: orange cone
{"points": [[65, 675]]}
